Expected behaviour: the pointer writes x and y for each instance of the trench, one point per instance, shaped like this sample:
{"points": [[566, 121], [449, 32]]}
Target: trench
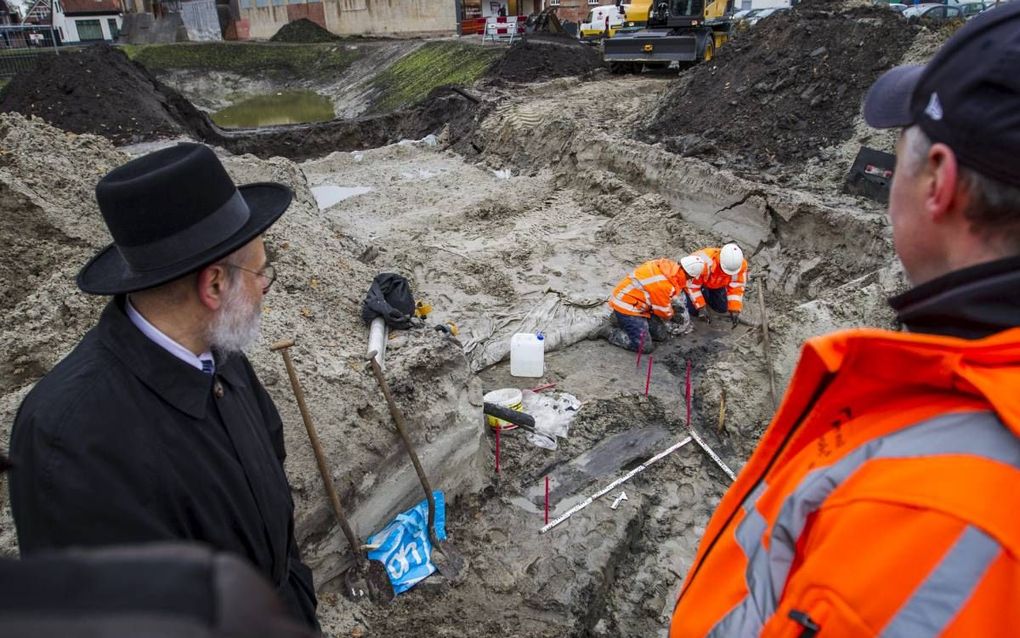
{"points": [[519, 214]]}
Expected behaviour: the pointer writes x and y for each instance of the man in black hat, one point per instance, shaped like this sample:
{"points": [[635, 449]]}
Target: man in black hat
{"points": [[155, 427], [882, 498]]}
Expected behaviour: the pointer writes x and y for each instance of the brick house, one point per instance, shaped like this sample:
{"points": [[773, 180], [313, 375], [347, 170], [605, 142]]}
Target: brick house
{"points": [[79, 20]]}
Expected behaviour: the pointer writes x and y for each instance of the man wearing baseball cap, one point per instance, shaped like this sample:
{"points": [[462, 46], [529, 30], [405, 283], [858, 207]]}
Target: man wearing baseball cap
{"points": [[155, 428], [882, 499]]}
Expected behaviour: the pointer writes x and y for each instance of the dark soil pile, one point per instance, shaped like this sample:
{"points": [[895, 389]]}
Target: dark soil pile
{"points": [[98, 90], [303, 30], [789, 86], [544, 57]]}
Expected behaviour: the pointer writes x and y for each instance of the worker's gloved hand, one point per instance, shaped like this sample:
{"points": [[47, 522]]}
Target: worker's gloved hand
{"points": [[734, 318]]}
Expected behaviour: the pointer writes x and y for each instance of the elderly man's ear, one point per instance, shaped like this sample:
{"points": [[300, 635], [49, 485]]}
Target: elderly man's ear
{"points": [[212, 284]]}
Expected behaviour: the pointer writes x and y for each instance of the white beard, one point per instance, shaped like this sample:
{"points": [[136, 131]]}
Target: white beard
{"points": [[236, 325]]}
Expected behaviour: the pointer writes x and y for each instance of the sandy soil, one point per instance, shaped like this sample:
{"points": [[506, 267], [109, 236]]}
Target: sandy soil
{"points": [[523, 223]]}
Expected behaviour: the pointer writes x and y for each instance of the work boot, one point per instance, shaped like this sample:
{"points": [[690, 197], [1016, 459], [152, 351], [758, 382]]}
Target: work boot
{"points": [[618, 337]]}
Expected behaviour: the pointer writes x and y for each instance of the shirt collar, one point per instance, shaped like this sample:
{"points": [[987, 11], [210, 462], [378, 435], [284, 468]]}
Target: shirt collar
{"points": [[180, 384], [971, 303], [159, 338]]}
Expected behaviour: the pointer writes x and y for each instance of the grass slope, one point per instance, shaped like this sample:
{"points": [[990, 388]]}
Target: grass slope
{"points": [[435, 64]]}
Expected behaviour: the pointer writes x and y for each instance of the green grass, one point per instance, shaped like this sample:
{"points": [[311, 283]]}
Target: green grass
{"points": [[247, 58], [435, 64]]}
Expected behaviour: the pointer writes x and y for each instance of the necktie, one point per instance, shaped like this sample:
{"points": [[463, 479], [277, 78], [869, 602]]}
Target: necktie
{"points": [[207, 366]]}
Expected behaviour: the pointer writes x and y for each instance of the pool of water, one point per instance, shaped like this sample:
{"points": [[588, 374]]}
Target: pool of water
{"points": [[329, 194], [288, 107]]}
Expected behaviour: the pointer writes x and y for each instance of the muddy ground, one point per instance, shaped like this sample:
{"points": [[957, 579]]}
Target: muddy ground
{"points": [[519, 219]]}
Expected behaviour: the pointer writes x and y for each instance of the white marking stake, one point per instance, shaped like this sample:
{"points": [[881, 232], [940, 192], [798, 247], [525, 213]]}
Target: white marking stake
{"points": [[616, 501]]}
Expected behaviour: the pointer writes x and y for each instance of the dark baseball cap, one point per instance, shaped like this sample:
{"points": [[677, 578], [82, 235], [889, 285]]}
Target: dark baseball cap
{"points": [[967, 96]]}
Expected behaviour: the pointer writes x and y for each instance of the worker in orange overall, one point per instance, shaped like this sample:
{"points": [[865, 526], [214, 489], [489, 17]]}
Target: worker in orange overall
{"points": [[721, 284], [882, 500], [642, 303]]}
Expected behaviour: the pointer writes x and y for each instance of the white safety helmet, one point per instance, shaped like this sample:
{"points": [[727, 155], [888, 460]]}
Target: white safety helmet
{"points": [[693, 266], [731, 258]]}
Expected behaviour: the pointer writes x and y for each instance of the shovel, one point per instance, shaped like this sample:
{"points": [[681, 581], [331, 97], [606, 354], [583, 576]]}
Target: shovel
{"points": [[447, 560], [368, 577]]}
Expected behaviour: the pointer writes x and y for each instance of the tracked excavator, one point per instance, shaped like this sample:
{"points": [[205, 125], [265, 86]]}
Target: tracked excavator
{"points": [[682, 31]]}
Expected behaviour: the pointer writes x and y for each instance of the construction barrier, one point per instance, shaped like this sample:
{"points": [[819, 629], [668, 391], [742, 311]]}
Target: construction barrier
{"points": [[504, 28]]}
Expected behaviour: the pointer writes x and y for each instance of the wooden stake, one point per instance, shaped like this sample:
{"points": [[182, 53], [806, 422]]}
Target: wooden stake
{"points": [[722, 411], [765, 343]]}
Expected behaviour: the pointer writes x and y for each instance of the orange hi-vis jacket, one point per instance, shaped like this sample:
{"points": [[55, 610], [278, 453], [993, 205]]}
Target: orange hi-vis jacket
{"points": [[714, 277], [884, 498], [649, 289]]}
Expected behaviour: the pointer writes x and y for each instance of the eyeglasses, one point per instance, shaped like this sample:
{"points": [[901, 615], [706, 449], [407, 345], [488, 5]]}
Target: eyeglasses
{"points": [[268, 273]]}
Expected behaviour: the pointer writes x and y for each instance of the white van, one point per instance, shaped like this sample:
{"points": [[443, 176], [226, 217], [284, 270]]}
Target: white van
{"points": [[594, 26]]}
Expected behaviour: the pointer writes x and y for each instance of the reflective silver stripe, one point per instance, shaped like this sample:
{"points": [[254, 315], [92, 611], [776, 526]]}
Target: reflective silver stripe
{"points": [[747, 618], [971, 433], [623, 304], [937, 601], [735, 297], [668, 309], [637, 282], [652, 280]]}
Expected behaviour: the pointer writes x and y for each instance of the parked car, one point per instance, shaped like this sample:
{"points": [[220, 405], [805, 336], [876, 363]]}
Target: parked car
{"points": [[929, 12], [971, 9], [897, 7]]}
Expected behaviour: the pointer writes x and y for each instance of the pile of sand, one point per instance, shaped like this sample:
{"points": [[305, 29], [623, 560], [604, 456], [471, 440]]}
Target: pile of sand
{"points": [[784, 89]]}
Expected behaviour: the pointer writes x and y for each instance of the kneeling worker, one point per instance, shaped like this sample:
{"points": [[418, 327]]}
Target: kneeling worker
{"points": [[721, 283], [643, 301]]}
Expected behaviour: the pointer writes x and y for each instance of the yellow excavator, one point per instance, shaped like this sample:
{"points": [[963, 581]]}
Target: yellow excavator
{"points": [[682, 31]]}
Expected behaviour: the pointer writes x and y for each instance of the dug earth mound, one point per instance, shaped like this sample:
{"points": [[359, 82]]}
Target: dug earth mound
{"points": [[786, 88], [518, 218]]}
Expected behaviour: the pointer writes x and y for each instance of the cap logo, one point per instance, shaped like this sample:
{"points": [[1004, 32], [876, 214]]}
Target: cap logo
{"points": [[934, 108]]}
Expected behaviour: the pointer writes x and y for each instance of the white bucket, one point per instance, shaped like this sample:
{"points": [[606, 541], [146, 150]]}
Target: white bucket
{"points": [[527, 355], [508, 398]]}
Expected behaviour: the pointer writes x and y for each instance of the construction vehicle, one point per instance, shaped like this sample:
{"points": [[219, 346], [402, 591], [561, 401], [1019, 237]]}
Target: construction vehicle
{"points": [[681, 31]]}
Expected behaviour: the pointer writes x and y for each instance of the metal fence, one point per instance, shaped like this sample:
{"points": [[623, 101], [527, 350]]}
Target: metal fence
{"points": [[21, 47]]}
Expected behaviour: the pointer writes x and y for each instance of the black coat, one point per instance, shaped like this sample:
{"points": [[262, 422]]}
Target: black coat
{"points": [[122, 442]]}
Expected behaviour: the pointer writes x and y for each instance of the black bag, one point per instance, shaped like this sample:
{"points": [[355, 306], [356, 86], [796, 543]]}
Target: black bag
{"points": [[389, 297]]}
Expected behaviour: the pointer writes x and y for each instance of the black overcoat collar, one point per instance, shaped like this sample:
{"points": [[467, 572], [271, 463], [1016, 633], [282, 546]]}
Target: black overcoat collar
{"points": [[183, 386]]}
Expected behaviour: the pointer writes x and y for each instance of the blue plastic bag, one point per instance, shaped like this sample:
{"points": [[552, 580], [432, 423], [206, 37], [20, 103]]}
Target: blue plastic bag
{"points": [[405, 549]]}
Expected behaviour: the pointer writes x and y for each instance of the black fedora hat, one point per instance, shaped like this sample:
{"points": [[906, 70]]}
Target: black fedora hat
{"points": [[173, 212]]}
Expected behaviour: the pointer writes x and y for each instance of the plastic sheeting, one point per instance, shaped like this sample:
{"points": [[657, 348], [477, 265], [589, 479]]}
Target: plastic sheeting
{"points": [[200, 20], [564, 320]]}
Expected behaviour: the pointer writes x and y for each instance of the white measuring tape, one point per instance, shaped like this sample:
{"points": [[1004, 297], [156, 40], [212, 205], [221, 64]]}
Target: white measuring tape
{"points": [[609, 488]]}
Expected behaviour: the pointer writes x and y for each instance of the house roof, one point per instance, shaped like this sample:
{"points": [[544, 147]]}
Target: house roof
{"points": [[72, 7]]}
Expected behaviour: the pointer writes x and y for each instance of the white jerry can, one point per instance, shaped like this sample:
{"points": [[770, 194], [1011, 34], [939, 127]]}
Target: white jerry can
{"points": [[527, 354]]}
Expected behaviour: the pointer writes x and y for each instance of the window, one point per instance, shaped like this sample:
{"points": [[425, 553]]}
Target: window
{"points": [[554, 3], [114, 31], [593, 2], [89, 30]]}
